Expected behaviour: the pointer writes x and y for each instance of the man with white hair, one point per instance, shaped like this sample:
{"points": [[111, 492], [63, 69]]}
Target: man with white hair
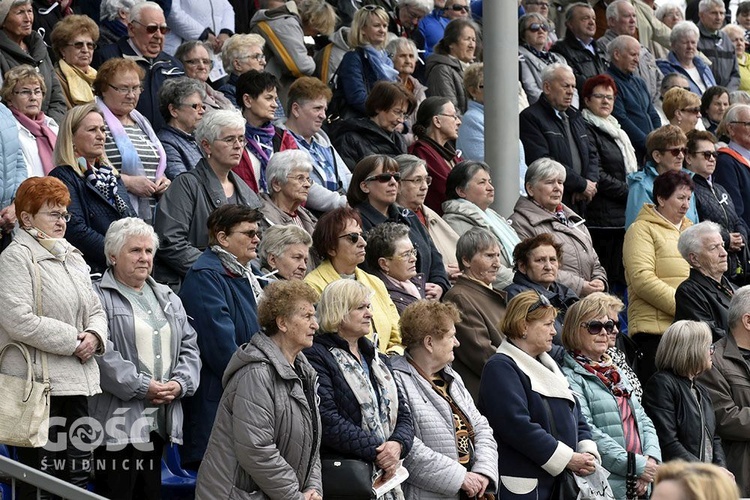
{"points": [[716, 45], [706, 294], [144, 44], [733, 163]]}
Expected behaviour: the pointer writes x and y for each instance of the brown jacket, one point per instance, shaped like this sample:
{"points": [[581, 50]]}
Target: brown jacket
{"points": [[482, 308]]}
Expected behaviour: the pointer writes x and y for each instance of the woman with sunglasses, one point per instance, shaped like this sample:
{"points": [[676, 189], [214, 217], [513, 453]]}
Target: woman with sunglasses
{"points": [[74, 41], [533, 56], [536, 419], [682, 108], [338, 241], [372, 192]]}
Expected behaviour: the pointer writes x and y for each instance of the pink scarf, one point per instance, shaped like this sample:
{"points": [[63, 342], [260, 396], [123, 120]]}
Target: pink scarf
{"points": [[45, 137]]}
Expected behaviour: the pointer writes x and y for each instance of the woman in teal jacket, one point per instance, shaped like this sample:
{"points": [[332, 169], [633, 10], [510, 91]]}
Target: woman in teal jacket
{"points": [[12, 173]]}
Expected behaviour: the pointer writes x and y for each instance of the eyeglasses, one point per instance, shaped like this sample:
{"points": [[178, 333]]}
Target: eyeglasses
{"points": [[232, 140], [409, 254], [595, 327], [153, 28], [353, 238], [535, 27], [196, 62], [127, 90], [257, 57], [250, 233], [456, 117], [57, 215], [385, 178], [301, 179], [744, 124], [693, 111], [419, 180], [460, 8], [616, 323], [196, 106], [29, 92], [81, 45], [707, 155], [542, 301], [675, 151], [372, 8], [603, 97]]}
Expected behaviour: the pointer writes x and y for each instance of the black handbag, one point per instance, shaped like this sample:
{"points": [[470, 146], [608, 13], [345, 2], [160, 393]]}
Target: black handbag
{"points": [[347, 479]]}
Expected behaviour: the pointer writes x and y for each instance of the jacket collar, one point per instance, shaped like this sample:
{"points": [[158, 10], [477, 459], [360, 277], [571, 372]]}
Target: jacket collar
{"points": [[262, 349], [474, 285], [544, 374], [619, 74], [39, 252], [710, 284], [537, 215], [732, 351], [162, 293], [333, 340]]}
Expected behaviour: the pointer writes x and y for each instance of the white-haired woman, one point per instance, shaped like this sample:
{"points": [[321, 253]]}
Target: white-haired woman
{"points": [[113, 22], [683, 58], [150, 364], [289, 183], [284, 251], [404, 54], [180, 219], [240, 54], [670, 13]]}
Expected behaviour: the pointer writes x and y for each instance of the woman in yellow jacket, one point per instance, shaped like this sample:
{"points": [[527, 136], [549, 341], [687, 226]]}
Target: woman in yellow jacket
{"points": [[338, 239], [653, 265]]}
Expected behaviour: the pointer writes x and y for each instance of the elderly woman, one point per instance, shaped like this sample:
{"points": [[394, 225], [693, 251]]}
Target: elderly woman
{"points": [[41, 269], [537, 261], [669, 13], [447, 458], [619, 425], [653, 265], [240, 54], [114, 19], [437, 130], [131, 143], [714, 104], [338, 240], [363, 414], [681, 408], [180, 219], [412, 192], [197, 58], [682, 108], [737, 36], [444, 69], [404, 54], [22, 91], [74, 41], [481, 303], [220, 296], [679, 479], [20, 44], [283, 252], [542, 211], [140, 377], [98, 195], [536, 419], [392, 257], [533, 53], [388, 104], [288, 177], [471, 130], [267, 435], [470, 193], [372, 193], [181, 105], [683, 58]]}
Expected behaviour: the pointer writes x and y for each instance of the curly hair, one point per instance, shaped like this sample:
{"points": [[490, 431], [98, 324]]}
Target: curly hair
{"points": [[69, 27], [426, 317], [280, 300]]}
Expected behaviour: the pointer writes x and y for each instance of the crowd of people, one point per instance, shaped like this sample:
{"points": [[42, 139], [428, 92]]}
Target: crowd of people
{"points": [[262, 233]]}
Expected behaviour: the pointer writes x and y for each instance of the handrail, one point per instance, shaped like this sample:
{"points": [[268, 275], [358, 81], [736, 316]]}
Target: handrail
{"points": [[20, 472]]}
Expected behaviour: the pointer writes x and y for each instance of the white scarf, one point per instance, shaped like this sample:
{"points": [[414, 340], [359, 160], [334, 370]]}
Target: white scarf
{"points": [[612, 128]]}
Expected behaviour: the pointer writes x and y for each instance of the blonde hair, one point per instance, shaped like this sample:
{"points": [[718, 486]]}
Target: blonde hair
{"points": [[20, 74], [678, 98], [64, 151], [318, 15], [361, 18], [338, 300], [517, 315], [585, 309], [699, 480], [236, 44], [683, 348]]}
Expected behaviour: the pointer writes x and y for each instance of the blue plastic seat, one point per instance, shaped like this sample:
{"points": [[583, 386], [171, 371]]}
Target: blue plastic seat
{"points": [[174, 487], [175, 464]]}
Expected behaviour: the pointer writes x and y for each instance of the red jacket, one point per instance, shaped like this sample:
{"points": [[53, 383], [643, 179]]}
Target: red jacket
{"points": [[438, 168]]}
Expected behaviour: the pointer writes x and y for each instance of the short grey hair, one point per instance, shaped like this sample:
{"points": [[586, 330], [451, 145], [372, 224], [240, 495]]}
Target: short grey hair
{"points": [[401, 44], [381, 241], [210, 126], [665, 9], [121, 230], [668, 82], [704, 5], [408, 164], [620, 43], [425, 6], [549, 72], [682, 30], [236, 45], [683, 348], [739, 306], [472, 242], [276, 240], [732, 115], [110, 9], [613, 12], [284, 163], [543, 169], [175, 91], [135, 11], [572, 7], [184, 49], [739, 97], [691, 239]]}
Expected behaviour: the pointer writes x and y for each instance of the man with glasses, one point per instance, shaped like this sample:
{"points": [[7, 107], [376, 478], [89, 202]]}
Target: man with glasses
{"points": [[733, 162], [144, 44]]}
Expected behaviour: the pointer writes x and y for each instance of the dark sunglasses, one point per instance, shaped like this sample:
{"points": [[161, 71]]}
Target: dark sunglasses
{"points": [[707, 155], [693, 111], [595, 327], [542, 301], [252, 233], [535, 27], [384, 178], [81, 45], [372, 8], [352, 237], [458, 8], [153, 28], [675, 151]]}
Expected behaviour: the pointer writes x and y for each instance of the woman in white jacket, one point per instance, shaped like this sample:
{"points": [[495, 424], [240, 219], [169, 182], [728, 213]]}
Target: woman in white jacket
{"points": [[207, 20]]}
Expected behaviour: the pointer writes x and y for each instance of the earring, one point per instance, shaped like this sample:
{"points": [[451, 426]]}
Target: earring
{"points": [[208, 155], [524, 335]]}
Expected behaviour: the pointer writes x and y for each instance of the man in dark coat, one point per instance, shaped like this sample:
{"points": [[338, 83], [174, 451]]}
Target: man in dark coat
{"points": [[578, 47], [717, 46]]}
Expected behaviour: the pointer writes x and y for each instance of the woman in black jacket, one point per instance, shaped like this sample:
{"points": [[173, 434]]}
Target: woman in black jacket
{"points": [[680, 409]]}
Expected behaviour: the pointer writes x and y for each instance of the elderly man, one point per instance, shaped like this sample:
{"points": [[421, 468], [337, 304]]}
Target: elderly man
{"points": [[633, 107], [621, 19], [578, 47], [144, 44], [716, 45], [552, 128], [728, 383], [706, 294], [733, 163]]}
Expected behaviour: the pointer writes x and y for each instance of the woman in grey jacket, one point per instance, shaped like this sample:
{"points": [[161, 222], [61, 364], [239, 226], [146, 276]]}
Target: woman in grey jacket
{"points": [[151, 363], [454, 450]]}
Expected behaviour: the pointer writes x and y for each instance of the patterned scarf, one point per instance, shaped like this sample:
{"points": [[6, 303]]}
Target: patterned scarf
{"points": [[103, 179], [59, 247], [230, 262], [544, 55], [260, 145], [605, 370], [559, 214], [322, 157]]}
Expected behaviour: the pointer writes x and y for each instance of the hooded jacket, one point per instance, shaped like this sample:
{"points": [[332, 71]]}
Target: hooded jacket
{"points": [[445, 78]]}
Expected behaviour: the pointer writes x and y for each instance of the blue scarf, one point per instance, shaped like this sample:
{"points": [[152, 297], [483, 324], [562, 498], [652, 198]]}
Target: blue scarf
{"points": [[260, 145], [381, 64], [322, 157]]}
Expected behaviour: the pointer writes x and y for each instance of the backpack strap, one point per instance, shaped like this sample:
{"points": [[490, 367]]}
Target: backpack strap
{"points": [[286, 58], [326, 63]]}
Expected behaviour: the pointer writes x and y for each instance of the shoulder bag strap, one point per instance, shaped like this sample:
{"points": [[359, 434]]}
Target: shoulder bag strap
{"points": [[280, 49], [326, 63], [38, 310]]}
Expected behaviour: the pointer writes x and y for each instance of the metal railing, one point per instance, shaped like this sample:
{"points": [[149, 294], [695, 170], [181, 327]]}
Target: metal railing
{"points": [[20, 472]]}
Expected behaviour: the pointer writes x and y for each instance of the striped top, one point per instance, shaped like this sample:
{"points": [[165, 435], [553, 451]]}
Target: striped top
{"points": [[146, 150]]}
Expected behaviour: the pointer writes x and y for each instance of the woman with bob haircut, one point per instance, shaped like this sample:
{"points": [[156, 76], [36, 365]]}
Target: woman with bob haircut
{"points": [[363, 413], [680, 479], [289, 183], [714, 105], [681, 408], [74, 40], [49, 305], [284, 250], [181, 105], [266, 440], [682, 108], [454, 451], [536, 419]]}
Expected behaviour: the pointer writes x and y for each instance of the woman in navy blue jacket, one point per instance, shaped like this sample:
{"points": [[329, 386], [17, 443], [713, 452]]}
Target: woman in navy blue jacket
{"points": [[536, 420]]}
